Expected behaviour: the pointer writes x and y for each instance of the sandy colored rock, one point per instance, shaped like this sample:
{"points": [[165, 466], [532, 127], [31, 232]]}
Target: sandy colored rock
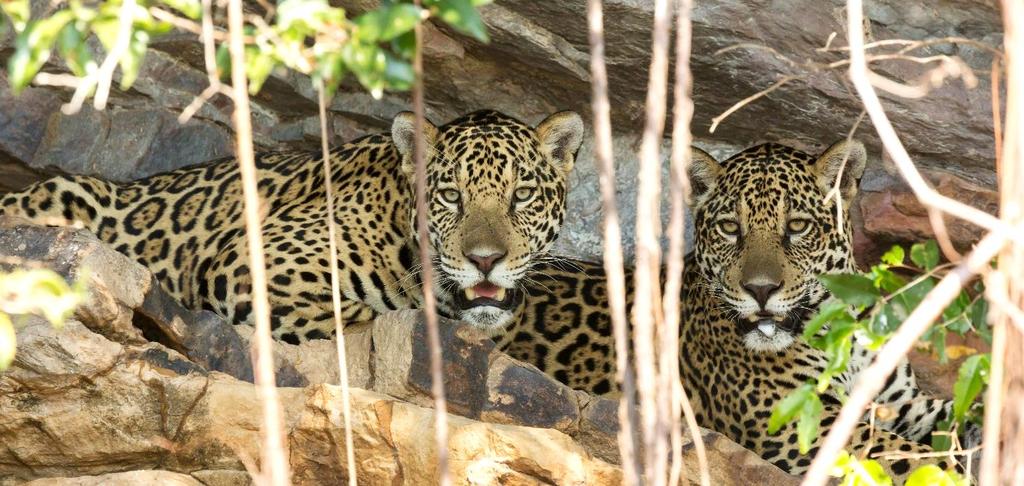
{"points": [[394, 445], [131, 478]]}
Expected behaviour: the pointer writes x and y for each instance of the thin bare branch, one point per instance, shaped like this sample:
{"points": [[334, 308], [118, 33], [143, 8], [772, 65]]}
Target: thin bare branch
{"points": [[339, 327], [273, 458], [648, 322], [834, 192], [613, 261], [750, 99], [671, 395], [997, 120], [871, 380], [427, 268], [1009, 299], [100, 79]]}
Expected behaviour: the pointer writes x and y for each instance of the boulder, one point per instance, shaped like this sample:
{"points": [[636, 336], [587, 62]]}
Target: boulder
{"points": [[537, 62]]}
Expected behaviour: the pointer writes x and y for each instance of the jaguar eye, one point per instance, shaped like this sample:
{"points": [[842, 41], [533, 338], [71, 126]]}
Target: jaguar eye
{"points": [[730, 228], [450, 196], [524, 194], [797, 226]]}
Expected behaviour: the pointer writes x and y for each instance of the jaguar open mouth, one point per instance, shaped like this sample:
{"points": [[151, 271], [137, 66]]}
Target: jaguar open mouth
{"points": [[768, 323], [487, 294]]}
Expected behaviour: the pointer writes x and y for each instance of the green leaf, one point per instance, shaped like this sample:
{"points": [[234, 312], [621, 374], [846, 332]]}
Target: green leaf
{"points": [[854, 289], [788, 407], [894, 256], [925, 255], [838, 348], [404, 46], [32, 48], [830, 311], [807, 426], [886, 280], [191, 8], [387, 22], [8, 341], [19, 12], [938, 339], [398, 74], [258, 68], [223, 62], [932, 475], [979, 319], [131, 61], [876, 475], [942, 442], [972, 377], [72, 47], [912, 296], [461, 15]]}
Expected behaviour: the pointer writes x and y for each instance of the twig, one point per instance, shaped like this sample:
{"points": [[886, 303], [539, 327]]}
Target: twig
{"points": [[647, 318], [612, 244], [273, 458], [191, 25], [871, 380], [339, 328], [671, 394], [911, 45], [988, 471], [429, 304], [890, 140], [942, 235], [896, 455], [997, 120], [207, 34], [745, 101], [834, 192], [101, 78], [950, 66]]}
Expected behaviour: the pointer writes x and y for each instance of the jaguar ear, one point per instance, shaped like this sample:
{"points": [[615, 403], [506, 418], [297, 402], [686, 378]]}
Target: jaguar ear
{"points": [[850, 157], [402, 134], [703, 173], [560, 137]]}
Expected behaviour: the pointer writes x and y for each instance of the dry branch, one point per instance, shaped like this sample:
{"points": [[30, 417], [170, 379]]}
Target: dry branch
{"points": [[648, 322], [339, 327], [273, 457], [429, 304], [671, 395], [1009, 295], [612, 237]]}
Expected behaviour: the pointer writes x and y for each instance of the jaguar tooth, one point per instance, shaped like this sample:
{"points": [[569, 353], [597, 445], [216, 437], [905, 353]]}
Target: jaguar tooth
{"points": [[766, 328], [470, 294], [500, 295]]}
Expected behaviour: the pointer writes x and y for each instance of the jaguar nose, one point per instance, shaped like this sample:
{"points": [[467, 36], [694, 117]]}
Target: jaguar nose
{"points": [[762, 291], [485, 262]]}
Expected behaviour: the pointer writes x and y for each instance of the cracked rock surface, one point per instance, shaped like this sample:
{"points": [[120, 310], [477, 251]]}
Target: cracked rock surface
{"points": [[537, 63]]}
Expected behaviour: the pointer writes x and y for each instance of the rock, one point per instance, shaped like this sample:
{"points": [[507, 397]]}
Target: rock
{"points": [[536, 63], [131, 478], [394, 444], [122, 294], [894, 215]]}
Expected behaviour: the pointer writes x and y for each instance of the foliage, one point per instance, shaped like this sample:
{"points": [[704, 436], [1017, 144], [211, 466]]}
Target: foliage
{"points": [[868, 308], [41, 292], [308, 36]]}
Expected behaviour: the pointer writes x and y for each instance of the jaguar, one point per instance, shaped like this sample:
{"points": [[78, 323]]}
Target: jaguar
{"points": [[764, 230], [496, 200]]}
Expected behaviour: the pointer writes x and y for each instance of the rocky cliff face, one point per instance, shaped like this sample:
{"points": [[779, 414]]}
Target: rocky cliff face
{"points": [[536, 63]]}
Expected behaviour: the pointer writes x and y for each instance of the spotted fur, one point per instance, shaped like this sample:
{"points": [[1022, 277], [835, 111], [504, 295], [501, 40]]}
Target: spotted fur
{"points": [[187, 226], [749, 286]]}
